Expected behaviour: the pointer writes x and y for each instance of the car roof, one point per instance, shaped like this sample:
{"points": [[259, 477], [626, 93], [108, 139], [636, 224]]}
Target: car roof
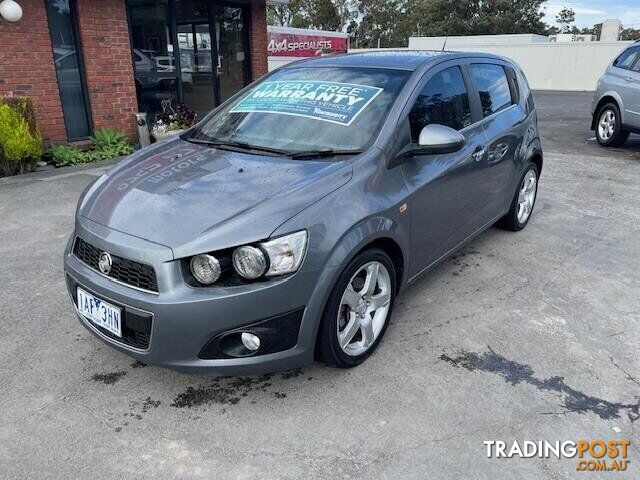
{"points": [[395, 59]]}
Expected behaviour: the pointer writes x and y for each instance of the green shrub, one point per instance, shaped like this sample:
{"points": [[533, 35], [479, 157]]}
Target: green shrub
{"points": [[107, 143], [20, 141], [64, 155], [107, 137]]}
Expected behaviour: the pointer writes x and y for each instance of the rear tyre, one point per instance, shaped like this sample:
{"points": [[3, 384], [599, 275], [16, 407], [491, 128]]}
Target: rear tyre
{"points": [[609, 132], [358, 310], [523, 201]]}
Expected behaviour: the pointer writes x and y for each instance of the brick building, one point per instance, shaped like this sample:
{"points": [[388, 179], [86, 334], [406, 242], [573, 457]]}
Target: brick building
{"points": [[90, 64]]}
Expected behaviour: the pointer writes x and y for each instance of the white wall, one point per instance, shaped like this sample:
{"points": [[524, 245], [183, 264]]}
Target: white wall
{"points": [[559, 66], [453, 41], [556, 66]]}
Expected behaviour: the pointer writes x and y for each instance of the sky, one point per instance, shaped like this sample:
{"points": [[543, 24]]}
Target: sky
{"points": [[590, 12]]}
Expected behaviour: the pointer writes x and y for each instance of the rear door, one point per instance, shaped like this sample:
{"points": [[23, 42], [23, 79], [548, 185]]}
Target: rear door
{"points": [[448, 201], [504, 124], [624, 78]]}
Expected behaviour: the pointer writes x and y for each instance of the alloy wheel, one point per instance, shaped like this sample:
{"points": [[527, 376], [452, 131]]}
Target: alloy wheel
{"points": [[364, 308], [607, 125], [527, 196]]}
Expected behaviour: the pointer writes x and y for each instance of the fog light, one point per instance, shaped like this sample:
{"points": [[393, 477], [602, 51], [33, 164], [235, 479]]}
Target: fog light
{"points": [[250, 341]]}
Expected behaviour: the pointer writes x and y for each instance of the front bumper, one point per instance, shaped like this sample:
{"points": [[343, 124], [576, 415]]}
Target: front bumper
{"points": [[183, 320]]}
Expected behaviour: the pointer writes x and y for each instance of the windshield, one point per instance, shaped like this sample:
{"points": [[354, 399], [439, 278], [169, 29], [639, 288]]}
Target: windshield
{"points": [[326, 109]]}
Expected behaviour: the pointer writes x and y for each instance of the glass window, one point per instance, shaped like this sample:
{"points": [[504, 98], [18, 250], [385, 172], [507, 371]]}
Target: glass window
{"points": [[196, 55], [62, 27], [156, 75], [232, 48], [627, 58], [443, 100], [294, 126], [493, 87], [513, 85]]}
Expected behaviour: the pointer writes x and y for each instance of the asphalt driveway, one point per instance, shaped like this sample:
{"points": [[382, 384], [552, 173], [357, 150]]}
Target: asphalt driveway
{"points": [[527, 336]]}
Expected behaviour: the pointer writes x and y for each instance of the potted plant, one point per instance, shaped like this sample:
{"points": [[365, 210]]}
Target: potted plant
{"points": [[172, 121]]}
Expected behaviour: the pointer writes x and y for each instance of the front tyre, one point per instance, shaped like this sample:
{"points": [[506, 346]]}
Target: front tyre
{"points": [[609, 132], [358, 310], [523, 201]]}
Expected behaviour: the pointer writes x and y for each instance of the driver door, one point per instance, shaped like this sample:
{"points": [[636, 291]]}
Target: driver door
{"points": [[448, 198]]}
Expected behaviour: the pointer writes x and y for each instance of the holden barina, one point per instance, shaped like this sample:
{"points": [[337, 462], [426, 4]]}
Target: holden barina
{"points": [[283, 226]]}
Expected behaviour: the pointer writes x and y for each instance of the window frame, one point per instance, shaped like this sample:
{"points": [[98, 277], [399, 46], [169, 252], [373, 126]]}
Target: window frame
{"points": [[79, 52], [478, 120], [474, 102], [430, 78], [506, 74]]}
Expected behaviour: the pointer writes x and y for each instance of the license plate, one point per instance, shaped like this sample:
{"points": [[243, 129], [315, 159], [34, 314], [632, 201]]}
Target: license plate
{"points": [[100, 312]]}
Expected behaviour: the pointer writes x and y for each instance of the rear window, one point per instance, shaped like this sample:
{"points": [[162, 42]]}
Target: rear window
{"points": [[493, 87]]}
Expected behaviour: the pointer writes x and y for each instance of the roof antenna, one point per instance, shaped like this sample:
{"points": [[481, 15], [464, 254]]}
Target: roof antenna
{"points": [[444, 45]]}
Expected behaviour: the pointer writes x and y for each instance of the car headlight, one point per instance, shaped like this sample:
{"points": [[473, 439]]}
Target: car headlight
{"points": [[285, 253], [205, 269], [249, 262], [279, 256]]}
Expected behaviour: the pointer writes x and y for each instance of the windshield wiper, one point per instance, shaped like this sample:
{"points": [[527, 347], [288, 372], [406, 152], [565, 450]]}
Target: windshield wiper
{"points": [[322, 153], [236, 144]]}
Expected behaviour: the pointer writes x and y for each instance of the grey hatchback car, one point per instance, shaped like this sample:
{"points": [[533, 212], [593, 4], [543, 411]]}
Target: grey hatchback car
{"points": [[616, 103], [285, 223]]}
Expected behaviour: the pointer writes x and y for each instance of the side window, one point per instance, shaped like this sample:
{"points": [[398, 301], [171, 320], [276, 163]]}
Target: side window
{"points": [[513, 85], [443, 100], [627, 58], [493, 87]]}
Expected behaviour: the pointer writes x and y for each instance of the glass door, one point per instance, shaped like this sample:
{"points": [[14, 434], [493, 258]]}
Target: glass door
{"points": [[188, 51], [193, 26], [196, 65], [232, 71], [153, 51]]}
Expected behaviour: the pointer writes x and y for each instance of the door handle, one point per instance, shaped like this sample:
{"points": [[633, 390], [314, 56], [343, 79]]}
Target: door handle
{"points": [[478, 153], [629, 79]]}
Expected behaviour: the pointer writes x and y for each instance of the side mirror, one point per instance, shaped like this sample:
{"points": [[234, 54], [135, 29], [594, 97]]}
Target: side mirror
{"points": [[434, 139]]}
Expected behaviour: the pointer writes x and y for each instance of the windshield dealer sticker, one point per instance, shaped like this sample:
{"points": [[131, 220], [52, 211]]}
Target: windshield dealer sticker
{"points": [[331, 102]]}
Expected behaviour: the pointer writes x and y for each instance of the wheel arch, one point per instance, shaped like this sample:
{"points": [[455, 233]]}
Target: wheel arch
{"points": [[380, 232], [609, 97], [377, 232], [374, 232], [537, 159], [391, 248]]}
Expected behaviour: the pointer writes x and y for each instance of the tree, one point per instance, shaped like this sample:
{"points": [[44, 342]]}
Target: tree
{"points": [[478, 17], [390, 23], [629, 34], [594, 31], [565, 19], [321, 14], [384, 23]]}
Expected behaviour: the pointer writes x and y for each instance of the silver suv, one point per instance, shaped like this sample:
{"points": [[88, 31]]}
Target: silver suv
{"points": [[616, 103]]}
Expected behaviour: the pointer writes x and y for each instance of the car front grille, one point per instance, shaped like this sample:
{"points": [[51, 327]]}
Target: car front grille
{"points": [[134, 274]]}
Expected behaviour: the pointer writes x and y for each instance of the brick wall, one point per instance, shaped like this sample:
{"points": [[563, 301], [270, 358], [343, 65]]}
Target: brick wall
{"points": [[258, 39], [27, 69], [104, 35]]}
